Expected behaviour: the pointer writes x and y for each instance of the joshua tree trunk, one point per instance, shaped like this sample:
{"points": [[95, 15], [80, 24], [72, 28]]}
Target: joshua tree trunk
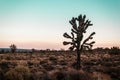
{"points": [[78, 60], [78, 53]]}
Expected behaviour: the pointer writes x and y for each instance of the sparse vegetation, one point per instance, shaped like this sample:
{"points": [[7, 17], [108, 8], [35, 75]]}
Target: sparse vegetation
{"points": [[53, 66]]}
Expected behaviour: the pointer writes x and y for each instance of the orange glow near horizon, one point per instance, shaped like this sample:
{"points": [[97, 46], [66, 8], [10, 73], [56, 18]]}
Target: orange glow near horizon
{"points": [[49, 45], [36, 45]]}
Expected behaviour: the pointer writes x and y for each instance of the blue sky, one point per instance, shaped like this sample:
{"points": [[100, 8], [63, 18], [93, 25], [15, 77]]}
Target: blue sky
{"points": [[41, 23]]}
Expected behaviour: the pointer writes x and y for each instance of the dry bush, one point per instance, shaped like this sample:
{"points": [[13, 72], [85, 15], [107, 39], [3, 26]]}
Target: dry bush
{"points": [[101, 76], [74, 74], [52, 58], [43, 61], [5, 65], [69, 74], [41, 75], [57, 75], [63, 62], [114, 50], [48, 67], [18, 73], [1, 74]]}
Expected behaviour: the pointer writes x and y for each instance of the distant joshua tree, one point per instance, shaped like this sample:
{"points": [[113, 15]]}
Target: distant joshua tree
{"points": [[79, 26], [33, 50], [13, 48]]}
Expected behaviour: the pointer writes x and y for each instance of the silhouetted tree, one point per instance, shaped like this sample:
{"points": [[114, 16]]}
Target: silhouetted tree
{"points": [[47, 49], [33, 50], [115, 50], [13, 48], [79, 26]]}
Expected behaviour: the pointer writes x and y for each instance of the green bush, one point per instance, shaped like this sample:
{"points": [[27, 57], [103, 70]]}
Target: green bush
{"points": [[18, 73]]}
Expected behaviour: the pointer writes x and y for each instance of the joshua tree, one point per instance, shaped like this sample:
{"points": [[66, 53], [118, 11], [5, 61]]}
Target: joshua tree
{"points": [[13, 48], [33, 50], [79, 26]]}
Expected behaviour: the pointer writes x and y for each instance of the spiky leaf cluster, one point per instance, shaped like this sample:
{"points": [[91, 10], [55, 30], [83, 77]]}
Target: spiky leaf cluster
{"points": [[79, 26], [89, 45]]}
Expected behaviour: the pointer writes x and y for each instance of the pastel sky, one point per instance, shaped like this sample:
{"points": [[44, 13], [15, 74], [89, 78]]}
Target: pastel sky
{"points": [[40, 24]]}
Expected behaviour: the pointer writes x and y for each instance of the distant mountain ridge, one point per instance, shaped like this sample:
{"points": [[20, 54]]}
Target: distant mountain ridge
{"points": [[17, 50]]}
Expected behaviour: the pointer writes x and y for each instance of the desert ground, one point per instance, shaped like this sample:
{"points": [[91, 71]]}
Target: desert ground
{"points": [[59, 65]]}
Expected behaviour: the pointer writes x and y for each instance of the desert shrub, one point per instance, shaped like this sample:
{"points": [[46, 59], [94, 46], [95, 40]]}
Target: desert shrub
{"points": [[52, 58], [43, 62], [107, 64], [18, 73], [74, 76], [30, 63], [46, 77], [115, 50], [114, 72], [9, 57], [73, 65], [1, 74], [69, 74], [36, 75], [48, 67], [58, 75], [4, 65], [63, 62], [78, 75], [39, 76]]}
